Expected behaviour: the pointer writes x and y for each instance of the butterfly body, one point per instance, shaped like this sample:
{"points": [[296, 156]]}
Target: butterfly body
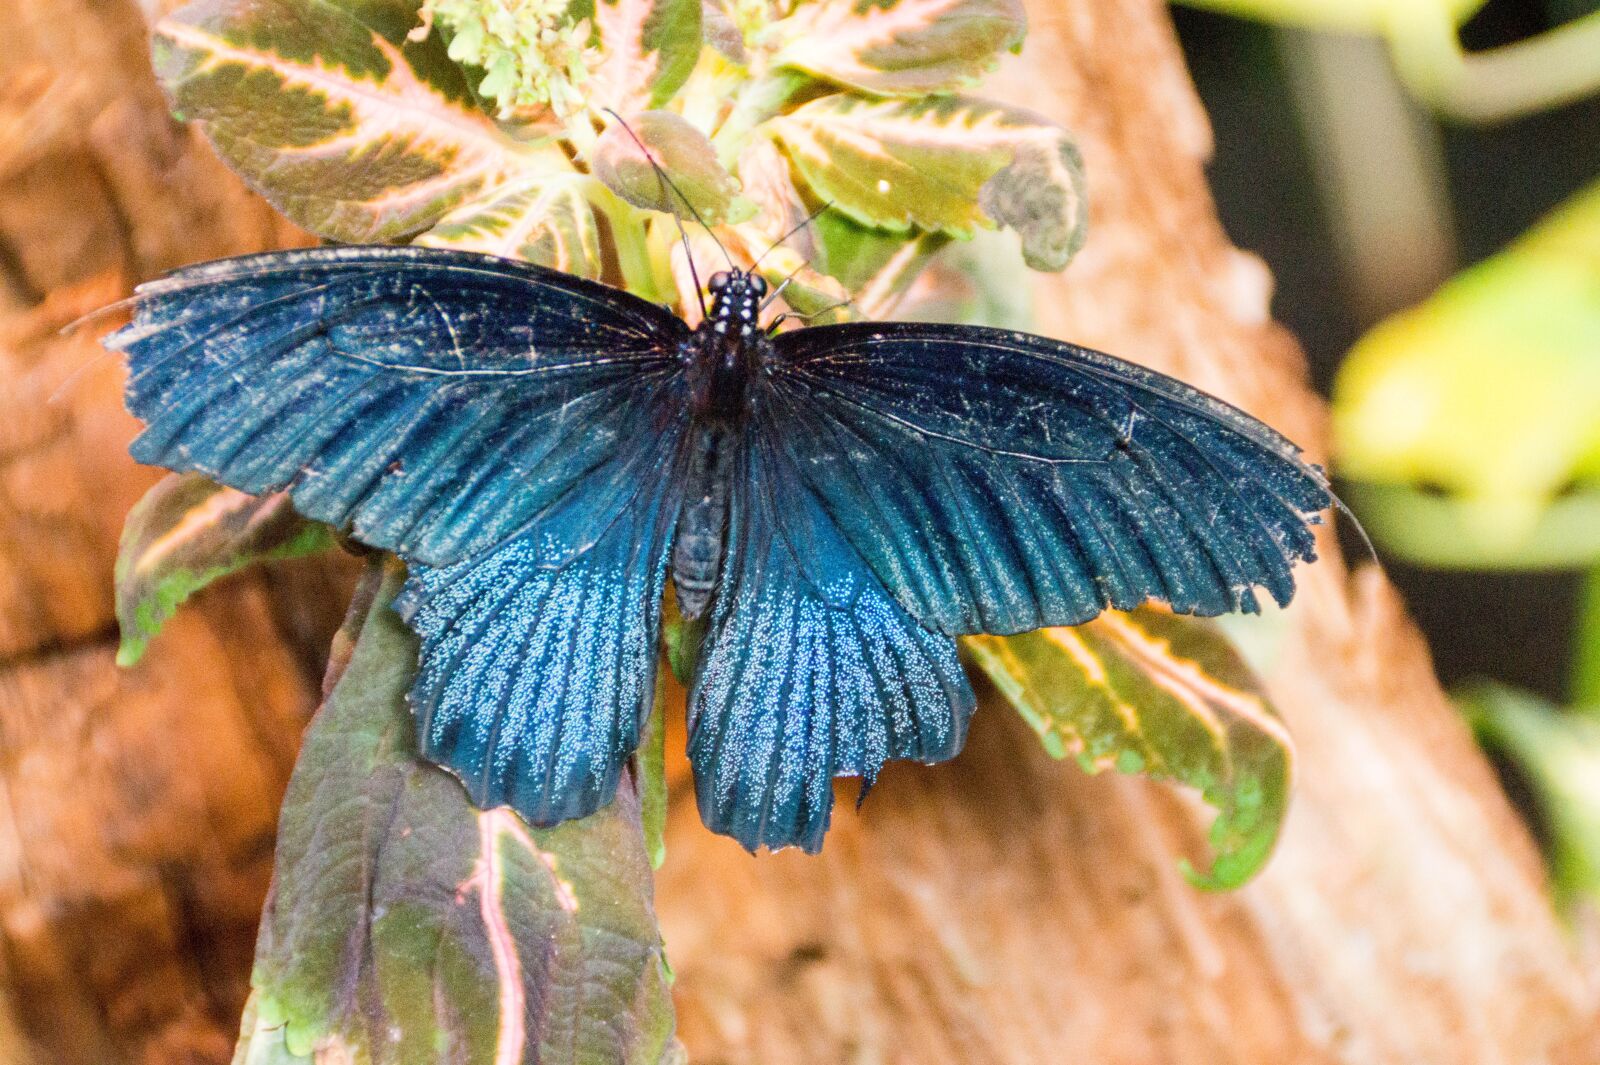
{"points": [[724, 357], [701, 535], [836, 504]]}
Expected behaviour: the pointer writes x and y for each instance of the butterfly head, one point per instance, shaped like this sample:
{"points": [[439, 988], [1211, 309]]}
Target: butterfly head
{"points": [[736, 302]]}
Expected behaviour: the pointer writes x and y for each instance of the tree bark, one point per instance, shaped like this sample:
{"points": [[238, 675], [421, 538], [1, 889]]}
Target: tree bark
{"points": [[1002, 908]]}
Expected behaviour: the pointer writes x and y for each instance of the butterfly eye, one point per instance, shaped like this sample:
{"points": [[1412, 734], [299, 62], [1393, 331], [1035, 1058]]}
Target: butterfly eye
{"points": [[758, 284], [719, 281]]}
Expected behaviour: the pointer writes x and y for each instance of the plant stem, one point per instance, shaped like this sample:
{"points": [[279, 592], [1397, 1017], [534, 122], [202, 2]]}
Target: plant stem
{"points": [[629, 234], [1584, 690], [1557, 67]]}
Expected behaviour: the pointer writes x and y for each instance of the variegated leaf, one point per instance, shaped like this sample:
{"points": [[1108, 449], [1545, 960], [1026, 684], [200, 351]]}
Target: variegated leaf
{"points": [[900, 47], [674, 145], [188, 532], [944, 164], [354, 135], [878, 265], [405, 925], [721, 32], [781, 216], [648, 49], [540, 220], [1148, 692]]}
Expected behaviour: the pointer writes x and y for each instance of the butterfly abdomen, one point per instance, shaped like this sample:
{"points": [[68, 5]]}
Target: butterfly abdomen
{"points": [[703, 521]]}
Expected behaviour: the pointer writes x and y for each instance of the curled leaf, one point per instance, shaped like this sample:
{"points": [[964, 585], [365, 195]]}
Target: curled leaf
{"points": [[188, 532], [686, 156], [539, 220], [406, 925], [1164, 696], [353, 135], [648, 49], [901, 47], [944, 164]]}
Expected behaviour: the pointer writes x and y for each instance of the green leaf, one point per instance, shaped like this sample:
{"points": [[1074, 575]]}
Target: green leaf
{"points": [[1148, 692], [944, 164], [350, 134], [1488, 393], [188, 532], [649, 48], [688, 159], [404, 925], [1557, 754], [539, 220], [900, 47], [858, 255]]}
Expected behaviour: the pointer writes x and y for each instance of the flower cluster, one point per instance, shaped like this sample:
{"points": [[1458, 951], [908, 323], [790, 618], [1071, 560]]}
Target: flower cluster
{"points": [[532, 52]]}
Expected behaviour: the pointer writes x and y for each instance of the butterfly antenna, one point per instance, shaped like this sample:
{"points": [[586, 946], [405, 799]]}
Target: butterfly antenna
{"points": [[782, 285], [786, 315], [665, 178], [666, 183], [812, 217], [1343, 508]]}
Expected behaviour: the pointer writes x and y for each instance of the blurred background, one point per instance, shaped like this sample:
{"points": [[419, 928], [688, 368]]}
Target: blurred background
{"points": [[1445, 157]]}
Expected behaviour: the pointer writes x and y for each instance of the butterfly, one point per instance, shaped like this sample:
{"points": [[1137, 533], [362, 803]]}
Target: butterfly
{"points": [[834, 504]]}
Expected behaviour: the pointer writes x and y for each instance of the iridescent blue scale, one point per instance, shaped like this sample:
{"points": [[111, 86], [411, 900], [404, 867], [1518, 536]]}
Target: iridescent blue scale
{"points": [[839, 502]]}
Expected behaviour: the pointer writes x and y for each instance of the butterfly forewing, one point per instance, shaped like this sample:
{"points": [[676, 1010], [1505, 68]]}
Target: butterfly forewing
{"points": [[431, 402], [999, 482]]}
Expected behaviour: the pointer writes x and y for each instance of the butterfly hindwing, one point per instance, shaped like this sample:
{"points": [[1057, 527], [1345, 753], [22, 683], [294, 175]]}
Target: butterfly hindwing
{"points": [[1000, 482], [431, 402], [809, 671], [536, 670]]}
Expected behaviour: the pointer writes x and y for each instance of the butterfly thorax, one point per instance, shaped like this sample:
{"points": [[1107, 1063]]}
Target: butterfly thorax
{"points": [[726, 350]]}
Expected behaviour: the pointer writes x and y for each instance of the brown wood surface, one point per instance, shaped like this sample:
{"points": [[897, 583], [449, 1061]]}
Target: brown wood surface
{"points": [[1003, 908]]}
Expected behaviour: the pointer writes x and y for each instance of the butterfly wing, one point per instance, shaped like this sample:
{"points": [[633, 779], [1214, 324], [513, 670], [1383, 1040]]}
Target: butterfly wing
{"points": [[432, 402], [810, 670], [999, 482], [535, 676], [514, 433]]}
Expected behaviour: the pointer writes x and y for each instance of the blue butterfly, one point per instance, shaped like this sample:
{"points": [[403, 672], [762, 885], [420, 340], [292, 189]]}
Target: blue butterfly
{"points": [[834, 504]]}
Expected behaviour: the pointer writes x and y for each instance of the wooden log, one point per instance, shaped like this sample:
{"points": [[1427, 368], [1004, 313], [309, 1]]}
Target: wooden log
{"points": [[1006, 908]]}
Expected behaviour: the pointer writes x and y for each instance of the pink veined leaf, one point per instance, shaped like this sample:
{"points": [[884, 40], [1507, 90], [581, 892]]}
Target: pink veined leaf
{"points": [[1163, 696], [186, 533], [352, 135], [648, 48], [543, 220], [900, 47], [944, 164], [406, 925]]}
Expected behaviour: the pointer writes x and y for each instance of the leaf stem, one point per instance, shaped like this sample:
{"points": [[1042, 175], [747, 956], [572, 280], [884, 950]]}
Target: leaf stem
{"points": [[1585, 684], [630, 236], [1557, 67], [760, 100]]}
